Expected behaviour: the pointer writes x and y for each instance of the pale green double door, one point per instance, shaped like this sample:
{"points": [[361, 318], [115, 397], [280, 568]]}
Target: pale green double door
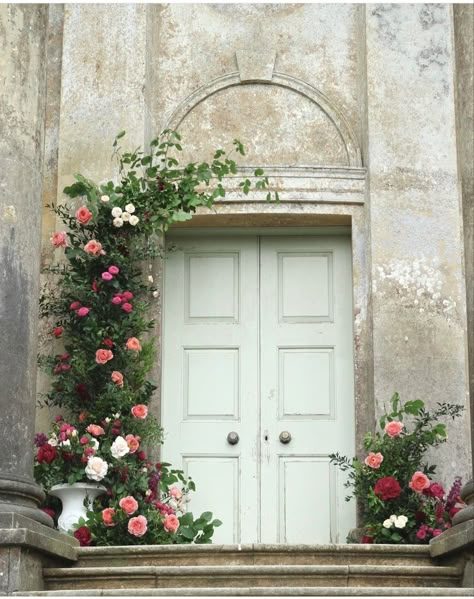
{"points": [[257, 348]]}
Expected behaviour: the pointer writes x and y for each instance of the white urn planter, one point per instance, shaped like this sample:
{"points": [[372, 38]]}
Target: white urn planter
{"points": [[76, 499]]}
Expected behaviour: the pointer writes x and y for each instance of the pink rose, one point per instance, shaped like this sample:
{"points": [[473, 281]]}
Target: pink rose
{"points": [[127, 295], [393, 429], [84, 440], [102, 356], [133, 344], [133, 443], [117, 378], [140, 411], [95, 429], [83, 312], [106, 276], [93, 247], [419, 481], [59, 240], [129, 505], [117, 300], [171, 523], [83, 215], [421, 534], [437, 532], [58, 331], [175, 493], [108, 516], [137, 526], [373, 460], [127, 307], [113, 270], [75, 306]]}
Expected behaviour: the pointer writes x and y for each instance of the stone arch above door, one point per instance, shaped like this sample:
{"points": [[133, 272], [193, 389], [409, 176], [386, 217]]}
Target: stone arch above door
{"points": [[293, 125]]}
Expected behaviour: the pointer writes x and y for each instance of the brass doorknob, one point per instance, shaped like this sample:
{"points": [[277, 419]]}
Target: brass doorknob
{"points": [[232, 438], [285, 437]]}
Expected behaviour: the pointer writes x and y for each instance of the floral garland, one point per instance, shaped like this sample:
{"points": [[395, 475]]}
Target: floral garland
{"points": [[99, 304], [399, 502]]}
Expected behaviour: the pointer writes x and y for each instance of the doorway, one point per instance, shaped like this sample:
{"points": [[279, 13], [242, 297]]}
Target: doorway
{"points": [[258, 383]]}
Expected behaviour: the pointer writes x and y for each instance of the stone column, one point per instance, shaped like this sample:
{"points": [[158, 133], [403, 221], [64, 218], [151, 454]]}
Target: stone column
{"points": [[22, 51], [419, 299], [25, 531]]}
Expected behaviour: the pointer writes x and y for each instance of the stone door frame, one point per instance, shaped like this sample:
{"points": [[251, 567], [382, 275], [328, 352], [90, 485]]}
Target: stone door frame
{"points": [[312, 197]]}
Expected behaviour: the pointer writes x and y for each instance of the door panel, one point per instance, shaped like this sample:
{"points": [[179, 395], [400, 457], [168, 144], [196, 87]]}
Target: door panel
{"points": [[210, 377], [306, 385], [258, 340]]}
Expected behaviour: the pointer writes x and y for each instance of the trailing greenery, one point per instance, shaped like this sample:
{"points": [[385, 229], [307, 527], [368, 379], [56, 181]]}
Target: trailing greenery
{"points": [[99, 300]]}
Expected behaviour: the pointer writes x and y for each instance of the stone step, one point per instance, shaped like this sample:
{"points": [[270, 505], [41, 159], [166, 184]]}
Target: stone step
{"points": [[283, 576], [263, 592], [261, 554]]}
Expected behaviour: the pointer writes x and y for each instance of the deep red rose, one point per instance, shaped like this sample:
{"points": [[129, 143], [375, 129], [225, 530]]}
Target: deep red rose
{"points": [[420, 516], [58, 331], [158, 466], [59, 418], [109, 492], [48, 511], [47, 453], [117, 423], [109, 343], [453, 511], [366, 540], [83, 535], [141, 455], [434, 490], [387, 488], [67, 456], [82, 391], [115, 432]]}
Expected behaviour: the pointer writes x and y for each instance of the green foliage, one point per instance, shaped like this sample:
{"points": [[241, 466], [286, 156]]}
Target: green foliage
{"points": [[100, 304], [399, 456]]}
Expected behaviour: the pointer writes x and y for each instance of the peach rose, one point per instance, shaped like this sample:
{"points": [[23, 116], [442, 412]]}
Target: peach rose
{"points": [[419, 481], [133, 344], [133, 443], [129, 505], [393, 429], [117, 378], [59, 239], [95, 429], [137, 526], [108, 516], [175, 493], [139, 411], [373, 460], [83, 215], [93, 247], [102, 356], [171, 523]]}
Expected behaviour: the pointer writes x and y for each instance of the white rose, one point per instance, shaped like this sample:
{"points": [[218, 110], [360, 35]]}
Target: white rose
{"points": [[125, 216], [104, 199], [117, 415], [401, 522], [95, 443], [150, 279], [65, 443], [119, 448], [155, 294], [74, 433], [393, 518], [134, 220], [96, 468], [116, 212], [130, 208], [108, 420], [387, 523], [173, 504], [118, 222], [53, 441]]}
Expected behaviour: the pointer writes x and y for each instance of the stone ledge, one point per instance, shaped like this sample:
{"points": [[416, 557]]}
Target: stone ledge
{"points": [[459, 538], [20, 531]]}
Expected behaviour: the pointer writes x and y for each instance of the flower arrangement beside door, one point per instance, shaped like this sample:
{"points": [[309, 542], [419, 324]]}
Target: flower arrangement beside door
{"points": [[400, 501], [98, 300]]}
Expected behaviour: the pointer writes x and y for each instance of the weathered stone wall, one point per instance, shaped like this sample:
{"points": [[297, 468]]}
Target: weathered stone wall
{"points": [[320, 85]]}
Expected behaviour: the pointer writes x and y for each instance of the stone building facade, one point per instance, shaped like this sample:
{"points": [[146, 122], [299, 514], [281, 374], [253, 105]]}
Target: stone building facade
{"points": [[362, 115]]}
